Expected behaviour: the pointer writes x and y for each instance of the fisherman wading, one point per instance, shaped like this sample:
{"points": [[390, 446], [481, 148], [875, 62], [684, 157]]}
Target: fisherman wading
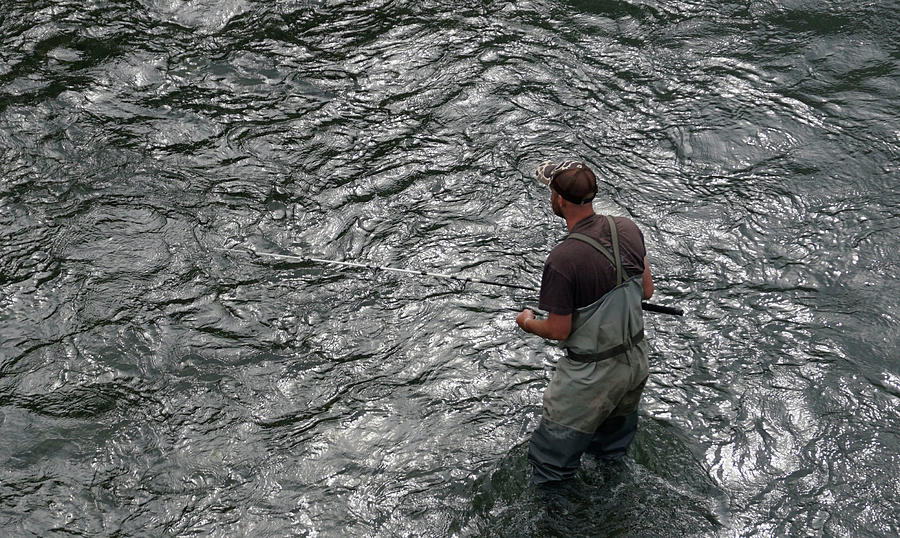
{"points": [[592, 287]]}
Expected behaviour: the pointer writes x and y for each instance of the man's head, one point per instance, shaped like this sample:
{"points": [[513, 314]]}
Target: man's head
{"points": [[572, 180]]}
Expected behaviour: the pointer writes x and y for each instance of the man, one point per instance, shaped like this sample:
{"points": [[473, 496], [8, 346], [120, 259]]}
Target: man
{"points": [[592, 287]]}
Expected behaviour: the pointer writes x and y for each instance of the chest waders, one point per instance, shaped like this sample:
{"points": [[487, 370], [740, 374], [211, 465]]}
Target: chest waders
{"points": [[591, 402]]}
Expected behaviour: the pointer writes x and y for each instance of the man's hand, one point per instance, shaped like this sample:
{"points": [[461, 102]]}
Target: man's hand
{"points": [[523, 317], [553, 327]]}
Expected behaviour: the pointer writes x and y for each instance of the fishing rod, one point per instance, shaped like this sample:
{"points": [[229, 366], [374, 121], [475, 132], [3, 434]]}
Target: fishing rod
{"points": [[649, 307], [307, 259]]}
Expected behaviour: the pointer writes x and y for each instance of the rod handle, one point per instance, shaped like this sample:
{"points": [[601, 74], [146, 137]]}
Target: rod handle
{"points": [[648, 307], [658, 308]]}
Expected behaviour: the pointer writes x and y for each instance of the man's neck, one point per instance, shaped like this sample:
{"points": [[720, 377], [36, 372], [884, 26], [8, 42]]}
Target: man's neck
{"points": [[577, 214]]}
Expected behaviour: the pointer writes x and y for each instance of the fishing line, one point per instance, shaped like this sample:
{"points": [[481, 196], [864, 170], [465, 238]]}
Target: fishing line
{"points": [[649, 307]]}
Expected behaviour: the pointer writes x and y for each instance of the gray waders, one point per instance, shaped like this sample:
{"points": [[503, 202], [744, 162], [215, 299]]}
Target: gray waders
{"points": [[591, 402]]}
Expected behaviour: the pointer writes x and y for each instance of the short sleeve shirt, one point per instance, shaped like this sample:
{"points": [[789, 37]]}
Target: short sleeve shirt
{"points": [[576, 275]]}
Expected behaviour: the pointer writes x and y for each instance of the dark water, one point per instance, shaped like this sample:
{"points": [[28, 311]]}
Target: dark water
{"points": [[153, 385]]}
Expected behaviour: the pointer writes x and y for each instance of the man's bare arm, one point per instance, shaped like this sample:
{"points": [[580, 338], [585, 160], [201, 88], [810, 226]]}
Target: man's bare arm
{"points": [[647, 280], [553, 327]]}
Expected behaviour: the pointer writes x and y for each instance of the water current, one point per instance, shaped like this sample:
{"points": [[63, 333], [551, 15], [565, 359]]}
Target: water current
{"points": [[152, 384]]}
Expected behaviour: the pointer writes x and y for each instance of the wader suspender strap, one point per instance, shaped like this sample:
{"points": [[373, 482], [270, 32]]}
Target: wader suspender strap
{"points": [[613, 258], [620, 274]]}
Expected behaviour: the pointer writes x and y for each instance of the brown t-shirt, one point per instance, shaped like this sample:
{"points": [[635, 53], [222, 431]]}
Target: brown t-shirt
{"points": [[576, 275]]}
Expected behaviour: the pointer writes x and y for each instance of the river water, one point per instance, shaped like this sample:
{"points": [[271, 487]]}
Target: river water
{"points": [[152, 384]]}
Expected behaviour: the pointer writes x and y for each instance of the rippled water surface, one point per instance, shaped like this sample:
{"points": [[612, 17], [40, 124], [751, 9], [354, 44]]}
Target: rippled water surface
{"points": [[153, 384]]}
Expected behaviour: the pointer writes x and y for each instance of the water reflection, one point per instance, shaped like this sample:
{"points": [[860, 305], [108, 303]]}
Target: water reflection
{"points": [[152, 383]]}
